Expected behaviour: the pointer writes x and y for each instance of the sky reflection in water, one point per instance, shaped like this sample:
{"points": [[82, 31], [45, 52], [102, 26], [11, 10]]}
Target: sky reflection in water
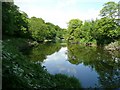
{"points": [[58, 63]]}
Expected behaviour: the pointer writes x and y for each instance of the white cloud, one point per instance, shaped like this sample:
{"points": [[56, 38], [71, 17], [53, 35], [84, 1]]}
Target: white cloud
{"points": [[60, 17], [61, 11]]}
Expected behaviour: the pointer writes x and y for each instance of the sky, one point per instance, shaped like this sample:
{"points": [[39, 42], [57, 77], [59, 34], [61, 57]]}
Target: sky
{"points": [[60, 12]]}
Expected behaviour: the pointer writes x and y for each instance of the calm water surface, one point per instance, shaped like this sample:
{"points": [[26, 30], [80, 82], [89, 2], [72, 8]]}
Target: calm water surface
{"points": [[94, 67]]}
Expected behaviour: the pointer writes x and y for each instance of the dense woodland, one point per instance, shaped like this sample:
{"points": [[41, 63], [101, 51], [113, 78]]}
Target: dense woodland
{"points": [[18, 24], [100, 31], [18, 29]]}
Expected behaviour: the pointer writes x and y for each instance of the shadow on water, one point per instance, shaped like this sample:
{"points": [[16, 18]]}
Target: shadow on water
{"points": [[94, 67]]}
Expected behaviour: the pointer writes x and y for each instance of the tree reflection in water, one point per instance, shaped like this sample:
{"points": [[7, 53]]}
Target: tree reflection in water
{"points": [[40, 52], [106, 65]]}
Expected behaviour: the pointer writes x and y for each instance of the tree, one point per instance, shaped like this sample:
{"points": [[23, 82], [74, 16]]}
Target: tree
{"points": [[38, 29], [110, 10], [60, 33], [51, 31], [9, 11], [22, 25], [14, 21], [86, 31], [74, 26], [106, 30]]}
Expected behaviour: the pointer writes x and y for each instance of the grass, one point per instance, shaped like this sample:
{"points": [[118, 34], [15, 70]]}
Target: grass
{"points": [[19, 72]]}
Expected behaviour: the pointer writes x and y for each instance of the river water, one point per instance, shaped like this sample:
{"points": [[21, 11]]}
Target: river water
{"points": [[93, 67]]}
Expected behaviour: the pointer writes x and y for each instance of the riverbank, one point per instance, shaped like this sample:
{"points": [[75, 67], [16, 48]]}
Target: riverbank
{"points": [[114, 46], [20, 72]]}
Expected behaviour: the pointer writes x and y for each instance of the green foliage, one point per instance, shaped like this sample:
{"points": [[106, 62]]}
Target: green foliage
{"points": [[37, 28], [17, 23], [102, 31], [51, 31], [105, 31], [74, 26], [106, 64], [86, 31], [23, 26], [62, 80], [81, 32], [19, 72], [43, 31], [61, 33], [9, 10], [110, 9], [35, 53], [14, 21]]}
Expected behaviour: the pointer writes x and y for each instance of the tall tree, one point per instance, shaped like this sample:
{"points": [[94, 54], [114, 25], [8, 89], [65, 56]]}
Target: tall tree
{"points": [[9, 11], [106, 30], [14, 21], [51, 31], [86, 31], [37, 28], [74, 26], [110, 9], [22, 25]]}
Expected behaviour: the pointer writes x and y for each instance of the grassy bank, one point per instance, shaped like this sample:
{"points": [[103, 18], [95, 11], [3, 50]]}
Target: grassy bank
{"points": [[19, 72]]}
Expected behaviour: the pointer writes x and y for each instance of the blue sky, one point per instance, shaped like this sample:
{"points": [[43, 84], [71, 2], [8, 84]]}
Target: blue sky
{"points": [[59, 12]]}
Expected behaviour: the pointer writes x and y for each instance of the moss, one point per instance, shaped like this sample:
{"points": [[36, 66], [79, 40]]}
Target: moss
{"points": [[19, 72]]}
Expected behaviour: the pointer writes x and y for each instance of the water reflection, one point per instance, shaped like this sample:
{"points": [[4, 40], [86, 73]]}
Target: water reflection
{"points": [[40, 52], [59, 63], [94, 67], [106, 65]]}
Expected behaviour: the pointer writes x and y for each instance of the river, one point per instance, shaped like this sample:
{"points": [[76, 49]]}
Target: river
{"points": [[92, 66]]}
